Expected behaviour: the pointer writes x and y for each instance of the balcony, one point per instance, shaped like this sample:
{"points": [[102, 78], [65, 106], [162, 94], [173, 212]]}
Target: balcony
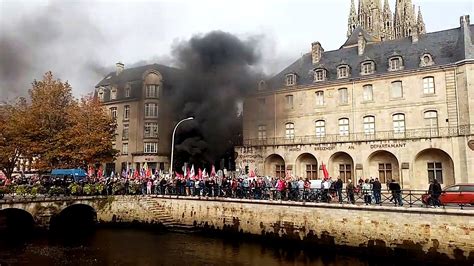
{"points": [[423, 133]]}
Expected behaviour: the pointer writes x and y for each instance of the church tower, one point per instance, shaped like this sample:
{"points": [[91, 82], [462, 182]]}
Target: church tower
{"points": [[387, 20], [381, 23]]}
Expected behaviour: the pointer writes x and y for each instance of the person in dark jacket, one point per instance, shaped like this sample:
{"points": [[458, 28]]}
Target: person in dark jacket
{"points": [[377, 190], [396, 190], [435, 192], [338, 187]]}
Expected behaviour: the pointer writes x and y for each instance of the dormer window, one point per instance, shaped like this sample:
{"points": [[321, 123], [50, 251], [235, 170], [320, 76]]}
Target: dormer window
{"points": [[367, 68], [100, 93], [262, 85], [127, 91], [343, 72], [426, 60], [395, 63], [291, 79], [113, 94], [320, 74]]}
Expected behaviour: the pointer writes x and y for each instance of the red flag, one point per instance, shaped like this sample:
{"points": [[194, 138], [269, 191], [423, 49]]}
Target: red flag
{"points": [[252, 173], [213, 171], [199, 173], [325, 171]]}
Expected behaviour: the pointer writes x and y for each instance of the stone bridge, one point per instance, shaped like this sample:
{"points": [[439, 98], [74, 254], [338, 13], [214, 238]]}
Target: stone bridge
{"points": [[42, 212]]}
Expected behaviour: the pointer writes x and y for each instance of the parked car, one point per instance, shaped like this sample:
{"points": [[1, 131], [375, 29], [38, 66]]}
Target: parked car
{"points": [[462, 194]]}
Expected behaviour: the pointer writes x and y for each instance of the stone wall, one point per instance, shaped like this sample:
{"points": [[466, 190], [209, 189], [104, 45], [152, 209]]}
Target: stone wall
{"points": [[418, 231]]}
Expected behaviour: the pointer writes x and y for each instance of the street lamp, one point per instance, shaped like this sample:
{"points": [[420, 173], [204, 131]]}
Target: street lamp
{"points": [[172, 141]]}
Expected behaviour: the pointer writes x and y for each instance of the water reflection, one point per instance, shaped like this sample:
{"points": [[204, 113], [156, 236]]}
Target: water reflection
{"points": [[148, 247]]}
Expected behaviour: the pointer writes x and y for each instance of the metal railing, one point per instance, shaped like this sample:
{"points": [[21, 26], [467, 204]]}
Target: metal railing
{"points": [[407, 198], [427, 133]]}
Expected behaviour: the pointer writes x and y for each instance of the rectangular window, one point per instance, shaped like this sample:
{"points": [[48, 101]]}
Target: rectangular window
{"points": [[290, 79], [395, 64], [343, 96], [280, 171], [289, 101], [320, 129], [397, 89], [385, 172], [113, 112], [435, 171], [151, 110], [151, 91], [127, 92], [151, 147], [311, 171], [368, 93], [319, 98], [342, 72], [290, 131], [125, 148], [428, 85], [126, 112], [262, 132], [367, 68], [345, 172], [151, 130], [398, 123], [320, 75], [125, 132], [343, 127]]}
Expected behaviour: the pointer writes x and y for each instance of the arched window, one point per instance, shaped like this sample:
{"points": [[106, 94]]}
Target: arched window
{"points": [[151, 91], [262, 85], [426, 60], [344, 127], [100, 94], [369, 125], [398, 123], [289, 131], [320, 128], [431, 122]]}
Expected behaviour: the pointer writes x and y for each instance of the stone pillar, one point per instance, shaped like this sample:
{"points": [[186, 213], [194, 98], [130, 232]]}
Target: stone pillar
{"points": [[405, 176]]}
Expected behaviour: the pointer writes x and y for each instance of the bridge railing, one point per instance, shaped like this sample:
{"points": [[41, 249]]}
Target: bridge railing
{"points": [[407, 198]]}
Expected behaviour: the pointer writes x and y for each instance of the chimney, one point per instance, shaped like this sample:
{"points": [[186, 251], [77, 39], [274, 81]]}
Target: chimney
{"points": [[361, 44], [119, 68], [316, 52], [465, 21]]}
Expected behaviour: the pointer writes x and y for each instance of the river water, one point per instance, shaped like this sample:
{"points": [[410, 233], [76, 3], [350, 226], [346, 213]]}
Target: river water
{"points": [[148, 247]]}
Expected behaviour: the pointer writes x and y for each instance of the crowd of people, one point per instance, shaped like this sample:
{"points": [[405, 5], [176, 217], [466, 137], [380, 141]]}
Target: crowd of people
{"points": [[229, 184]]}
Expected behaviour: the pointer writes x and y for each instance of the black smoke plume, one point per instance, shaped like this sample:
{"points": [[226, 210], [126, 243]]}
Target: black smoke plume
{"points": [[218, 70], [59, 37]]}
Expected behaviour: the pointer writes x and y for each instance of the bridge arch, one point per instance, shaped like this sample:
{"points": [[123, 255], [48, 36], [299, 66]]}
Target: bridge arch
{"points": [[16, 221], [77, 217]]}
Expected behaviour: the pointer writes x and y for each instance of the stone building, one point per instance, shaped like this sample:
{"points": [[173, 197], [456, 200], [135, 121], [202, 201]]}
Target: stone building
{"points": [[401, 108], [136, 97]]}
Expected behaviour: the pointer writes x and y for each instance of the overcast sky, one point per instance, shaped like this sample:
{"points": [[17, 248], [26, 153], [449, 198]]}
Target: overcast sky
{"points": [[100, 33]]}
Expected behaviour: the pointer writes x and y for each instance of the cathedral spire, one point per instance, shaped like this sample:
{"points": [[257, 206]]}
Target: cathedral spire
{"points": [[353, 21], [420, 23]]}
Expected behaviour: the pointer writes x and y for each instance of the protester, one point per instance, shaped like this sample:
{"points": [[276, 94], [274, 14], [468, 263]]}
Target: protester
{"points": [[350, 192], [395, 188], [377, 190], [434, 192]]}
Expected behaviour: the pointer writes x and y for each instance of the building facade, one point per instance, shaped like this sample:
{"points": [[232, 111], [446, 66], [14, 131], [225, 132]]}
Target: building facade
{"points": [[395, 109], [136, 98]]}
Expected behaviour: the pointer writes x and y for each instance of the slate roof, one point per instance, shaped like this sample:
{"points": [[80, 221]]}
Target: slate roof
{"points": [[169, 74], [445, 47], [134, 77], [354, 38]]}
